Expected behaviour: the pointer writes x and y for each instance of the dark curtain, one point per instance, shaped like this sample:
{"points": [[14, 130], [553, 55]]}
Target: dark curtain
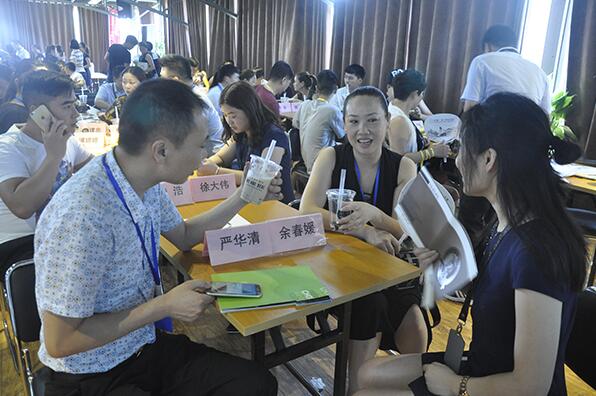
{"points": [[36, 24], [223, 36], [446, 36], [95, 33], [581, 74], [289, 30], [177, 35], [197, 29], [372, 33]]}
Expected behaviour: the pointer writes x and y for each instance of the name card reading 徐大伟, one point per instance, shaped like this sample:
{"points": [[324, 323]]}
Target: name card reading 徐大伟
{"points": [[203, 188]]}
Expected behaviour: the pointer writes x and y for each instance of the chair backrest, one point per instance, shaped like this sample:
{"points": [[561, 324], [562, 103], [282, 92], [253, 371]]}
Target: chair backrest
{"points": [[20, 290], [295, 144], [581, 347]]}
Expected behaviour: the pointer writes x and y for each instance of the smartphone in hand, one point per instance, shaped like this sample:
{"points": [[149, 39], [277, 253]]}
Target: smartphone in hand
{"points": [[231, 289], [43, 117]]}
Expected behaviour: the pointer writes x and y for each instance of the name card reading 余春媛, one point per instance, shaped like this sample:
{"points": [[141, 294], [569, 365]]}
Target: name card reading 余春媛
{"points": [[264, 239], [203, 188]]}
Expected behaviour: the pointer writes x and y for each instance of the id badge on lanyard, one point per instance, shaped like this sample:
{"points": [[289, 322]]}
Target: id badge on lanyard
{"points": [[164, 324]]}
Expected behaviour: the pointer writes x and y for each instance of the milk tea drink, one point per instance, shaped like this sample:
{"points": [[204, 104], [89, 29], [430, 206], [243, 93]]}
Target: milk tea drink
{"points": [[335, 211], [258, 178]]}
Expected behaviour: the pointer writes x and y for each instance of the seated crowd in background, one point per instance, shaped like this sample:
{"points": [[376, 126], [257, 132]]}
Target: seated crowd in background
{"points": [[175, 120]]}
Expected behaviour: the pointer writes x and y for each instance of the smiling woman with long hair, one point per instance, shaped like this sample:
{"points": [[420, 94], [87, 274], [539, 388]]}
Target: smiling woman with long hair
{"points": [[249, 128], [533, 266]]}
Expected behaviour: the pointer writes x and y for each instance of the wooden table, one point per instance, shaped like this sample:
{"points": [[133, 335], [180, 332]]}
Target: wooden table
{"points": [[580, 184], [348, 267]]}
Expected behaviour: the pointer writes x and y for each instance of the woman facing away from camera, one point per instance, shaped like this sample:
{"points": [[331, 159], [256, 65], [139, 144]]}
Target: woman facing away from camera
{"points": [[531, 271]]}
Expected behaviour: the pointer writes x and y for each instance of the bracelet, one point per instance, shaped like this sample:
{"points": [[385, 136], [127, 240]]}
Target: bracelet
{"points": [[463, 386], [432, 152], [217, 170]]}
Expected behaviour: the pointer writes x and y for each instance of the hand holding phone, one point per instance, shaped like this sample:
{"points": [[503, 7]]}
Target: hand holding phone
{"points": [[53, 132], [232, 289]]}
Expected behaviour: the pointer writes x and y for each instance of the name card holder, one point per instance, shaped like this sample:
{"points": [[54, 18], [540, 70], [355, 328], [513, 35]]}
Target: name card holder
{"points": [[264, 239], [210, 188]]}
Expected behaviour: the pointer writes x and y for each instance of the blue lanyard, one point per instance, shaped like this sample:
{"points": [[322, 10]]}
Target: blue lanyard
{"points": [[376, 188], [165, 323]]}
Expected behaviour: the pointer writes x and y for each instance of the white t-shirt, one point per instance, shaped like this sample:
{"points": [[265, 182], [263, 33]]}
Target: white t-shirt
{"points": [[395, 111], [339, 98], [22, 156], [506, 71]]}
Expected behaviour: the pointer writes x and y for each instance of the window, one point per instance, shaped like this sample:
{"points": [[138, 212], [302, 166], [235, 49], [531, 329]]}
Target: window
{"points": [[545, 38]]}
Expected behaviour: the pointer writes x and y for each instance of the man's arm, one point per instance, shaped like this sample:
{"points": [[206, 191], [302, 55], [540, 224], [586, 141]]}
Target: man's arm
{"points": [[191, 232], [24, 196], [65, 336]]}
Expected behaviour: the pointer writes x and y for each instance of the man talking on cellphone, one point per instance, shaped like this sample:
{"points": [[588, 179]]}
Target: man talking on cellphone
{"points": [[35, 162]]}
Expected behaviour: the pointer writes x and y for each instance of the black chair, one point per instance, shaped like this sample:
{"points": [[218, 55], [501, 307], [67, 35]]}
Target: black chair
{"points": [[26, 324], [586, 219], [581, 347]]}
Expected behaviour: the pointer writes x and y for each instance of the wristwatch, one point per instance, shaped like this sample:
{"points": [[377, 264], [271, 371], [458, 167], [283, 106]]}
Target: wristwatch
{"points": [[463, 386]]}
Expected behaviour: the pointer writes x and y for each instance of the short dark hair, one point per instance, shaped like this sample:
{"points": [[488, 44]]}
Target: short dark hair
{"points": [[279, 70], [226, 70], [392, 74], [135, 71], [74, 44], [177, 65], [71, 66], [500, 36], [259, 72], [117, 71], [406, 82], [143, 44], [356, 70], [38, 85], [247, 74], [529, 190], [194, 64], [242, 96], [149, 45], [158, 107], [372, 92], [327, 82], [132, 40]]}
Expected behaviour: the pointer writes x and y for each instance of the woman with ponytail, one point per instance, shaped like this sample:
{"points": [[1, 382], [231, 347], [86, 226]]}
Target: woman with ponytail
{"points": [[533, 266], [305, 85]]}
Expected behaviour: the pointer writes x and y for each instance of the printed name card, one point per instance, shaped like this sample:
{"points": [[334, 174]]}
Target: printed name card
{"points": [[203, 188], [288, 107], [92, 135], [264, 239], [238, 243], [298, 232], [209, 188]]}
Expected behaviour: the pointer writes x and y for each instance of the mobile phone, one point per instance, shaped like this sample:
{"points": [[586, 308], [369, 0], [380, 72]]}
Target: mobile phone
{"points": [[232, 289], [43, 117]]}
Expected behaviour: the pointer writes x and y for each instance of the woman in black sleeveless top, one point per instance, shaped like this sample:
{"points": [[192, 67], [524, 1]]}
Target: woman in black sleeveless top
{"points": [[390, 318]]}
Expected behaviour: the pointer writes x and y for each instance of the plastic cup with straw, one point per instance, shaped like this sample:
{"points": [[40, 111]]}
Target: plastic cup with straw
{"points": [[258, 178], [336, 197]]}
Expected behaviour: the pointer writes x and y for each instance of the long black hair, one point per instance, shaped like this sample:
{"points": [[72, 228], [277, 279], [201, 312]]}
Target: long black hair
{"points": [[242, 96], [527, 186]]}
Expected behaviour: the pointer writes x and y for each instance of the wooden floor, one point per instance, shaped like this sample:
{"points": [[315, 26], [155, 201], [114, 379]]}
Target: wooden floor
{"points": [[210, 330]]}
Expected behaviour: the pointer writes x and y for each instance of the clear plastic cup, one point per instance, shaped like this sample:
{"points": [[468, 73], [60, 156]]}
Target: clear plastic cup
{"points": [[258, 178], [335, 212], [83, 98]]}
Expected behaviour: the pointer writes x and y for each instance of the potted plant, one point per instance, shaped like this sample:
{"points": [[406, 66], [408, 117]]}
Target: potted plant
{"points": [[561, 104]]}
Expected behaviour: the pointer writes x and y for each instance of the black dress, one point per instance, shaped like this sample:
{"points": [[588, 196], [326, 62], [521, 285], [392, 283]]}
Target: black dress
{"points": [[383, 311]]}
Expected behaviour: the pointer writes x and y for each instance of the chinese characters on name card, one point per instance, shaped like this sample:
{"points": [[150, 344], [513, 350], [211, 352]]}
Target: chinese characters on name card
{"points": [[199, 189], [265, 239]]}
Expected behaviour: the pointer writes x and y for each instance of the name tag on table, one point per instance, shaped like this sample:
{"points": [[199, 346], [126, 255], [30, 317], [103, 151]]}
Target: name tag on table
{"points": [[180, 194], [296, 233], [199, 189], [238, 243], [264, 239], [209, 188], [288, 107]]}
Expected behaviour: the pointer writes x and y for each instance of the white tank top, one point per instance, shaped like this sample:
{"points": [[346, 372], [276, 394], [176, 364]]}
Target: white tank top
{"points": [[395, 111]]}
